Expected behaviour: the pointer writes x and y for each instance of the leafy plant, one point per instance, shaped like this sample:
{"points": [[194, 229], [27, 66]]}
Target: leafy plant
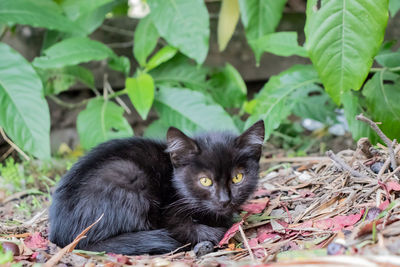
{"points": [[170, 45]]}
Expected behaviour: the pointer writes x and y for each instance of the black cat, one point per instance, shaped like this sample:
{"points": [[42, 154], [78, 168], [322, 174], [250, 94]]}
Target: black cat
{"points": [[156, 196]]}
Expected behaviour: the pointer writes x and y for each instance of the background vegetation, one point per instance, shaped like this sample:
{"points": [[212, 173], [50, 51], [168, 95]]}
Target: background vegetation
{"points": [[343, 39]]}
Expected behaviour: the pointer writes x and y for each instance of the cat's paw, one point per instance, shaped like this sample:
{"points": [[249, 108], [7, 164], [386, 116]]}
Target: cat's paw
{"points": [[203, 248]]}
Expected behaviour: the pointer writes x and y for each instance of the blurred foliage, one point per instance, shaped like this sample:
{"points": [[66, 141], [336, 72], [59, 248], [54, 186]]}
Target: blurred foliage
{"points": [[174, 81]]}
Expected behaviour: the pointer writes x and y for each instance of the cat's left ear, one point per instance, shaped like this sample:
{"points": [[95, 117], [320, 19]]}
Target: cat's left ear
{"points": [[180, 146], [252, 138]]}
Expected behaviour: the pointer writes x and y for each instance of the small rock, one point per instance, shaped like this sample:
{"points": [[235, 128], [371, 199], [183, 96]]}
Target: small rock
{"points": [[377, 166], [203, 248], [9, 246], [335, 249]]}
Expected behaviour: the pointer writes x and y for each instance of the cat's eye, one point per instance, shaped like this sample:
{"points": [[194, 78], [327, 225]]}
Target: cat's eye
{"points": [[205, 181], [237, 178]]}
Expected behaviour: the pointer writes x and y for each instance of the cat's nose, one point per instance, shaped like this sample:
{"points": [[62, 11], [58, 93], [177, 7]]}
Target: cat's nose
{"points": [[224, 198]]}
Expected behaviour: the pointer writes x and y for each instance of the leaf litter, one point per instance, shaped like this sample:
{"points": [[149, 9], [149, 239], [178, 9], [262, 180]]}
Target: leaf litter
{"points": [[323, 211]]}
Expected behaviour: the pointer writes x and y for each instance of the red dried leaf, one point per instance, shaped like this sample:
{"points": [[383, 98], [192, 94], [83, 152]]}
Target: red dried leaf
{"points": [[393, 186], [264, 236], [384, 205], [36, 241], [304, 225], [261, 193], [324, 224], [230, 233], [256, 205]]}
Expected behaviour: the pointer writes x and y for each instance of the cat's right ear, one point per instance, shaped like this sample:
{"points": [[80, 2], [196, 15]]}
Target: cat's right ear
{"points": [[180, 146]]}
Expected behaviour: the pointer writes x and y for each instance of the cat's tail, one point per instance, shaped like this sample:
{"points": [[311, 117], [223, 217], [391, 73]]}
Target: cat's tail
{"points": [[136, 243]]}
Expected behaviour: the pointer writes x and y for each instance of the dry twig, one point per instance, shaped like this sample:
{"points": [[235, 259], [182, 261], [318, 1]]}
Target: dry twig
{"points": [[389, 143], [343, 165], [3, 134]]}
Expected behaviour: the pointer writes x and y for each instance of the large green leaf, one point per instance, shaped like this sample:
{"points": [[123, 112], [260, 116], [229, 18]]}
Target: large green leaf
{"points": [[352, 107], [101, 121], [342, 38], [58, 80], [76, 8], [179, 71], [227, 87], [25, 114], [72, 51], [188, 110], [37, 14], [273, 103], [279, 43], [382, 96], [157, 129], [260, 17], [141, 93], [184, 24], [145, 40]]}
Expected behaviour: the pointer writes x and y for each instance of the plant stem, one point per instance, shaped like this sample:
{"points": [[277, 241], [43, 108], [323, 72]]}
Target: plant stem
{"points": [[64, 104], [381, 69], [3, 134], [122, 92]]}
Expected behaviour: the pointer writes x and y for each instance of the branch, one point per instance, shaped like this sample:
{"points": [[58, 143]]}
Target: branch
{"points": [[343, 164], [389, 143], [3, 134]]}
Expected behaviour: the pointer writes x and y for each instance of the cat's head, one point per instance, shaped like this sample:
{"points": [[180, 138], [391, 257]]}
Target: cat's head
{"points": [[216, 172]]}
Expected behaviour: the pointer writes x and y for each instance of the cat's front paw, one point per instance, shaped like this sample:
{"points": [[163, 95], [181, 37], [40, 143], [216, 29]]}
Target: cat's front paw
{"points": [[203, 248]]}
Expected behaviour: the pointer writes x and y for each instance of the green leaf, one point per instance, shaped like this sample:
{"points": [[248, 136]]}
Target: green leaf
{"points": [[260, 17], [37, 14], [228, 18], [184, 24], [145, 40], [157, 129], [101, 121], [163, 55], [141, 93], [25, 115], [189, 111], [382, 96], [91, 20], [178, 71], [58, 80], [121, 64], [227, 87], [71, 52], [388, 59], [273, 101], [342, 37], [315, 104], [394, 6], [279, 43], [352, 107], [76, 8]]}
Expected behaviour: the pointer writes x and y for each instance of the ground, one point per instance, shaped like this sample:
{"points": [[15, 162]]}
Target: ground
{"points": [[341, 209]]}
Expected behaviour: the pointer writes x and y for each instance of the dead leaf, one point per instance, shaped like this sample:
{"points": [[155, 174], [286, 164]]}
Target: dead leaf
{"points": [[36, 241], [230, 233]]}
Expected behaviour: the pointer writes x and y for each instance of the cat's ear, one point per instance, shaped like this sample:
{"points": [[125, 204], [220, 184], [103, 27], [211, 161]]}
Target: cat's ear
{"points": [[180, 146], [252, 138]]}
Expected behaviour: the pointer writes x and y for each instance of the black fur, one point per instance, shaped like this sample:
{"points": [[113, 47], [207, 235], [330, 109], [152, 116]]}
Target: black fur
{"points": [[149, 191]]}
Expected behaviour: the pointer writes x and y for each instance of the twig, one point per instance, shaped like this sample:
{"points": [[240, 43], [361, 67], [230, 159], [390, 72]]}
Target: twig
{"points": [[176, 250], [57, 257], [343, 164], [8, 152], [384, 138], [246, 243], [107, 87], [64, 104], [293, 159], [113, 29], [3, 134]]}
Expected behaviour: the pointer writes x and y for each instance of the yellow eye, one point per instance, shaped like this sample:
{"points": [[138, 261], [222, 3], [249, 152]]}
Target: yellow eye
{"points": [[237, 178], [206, 181]]}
